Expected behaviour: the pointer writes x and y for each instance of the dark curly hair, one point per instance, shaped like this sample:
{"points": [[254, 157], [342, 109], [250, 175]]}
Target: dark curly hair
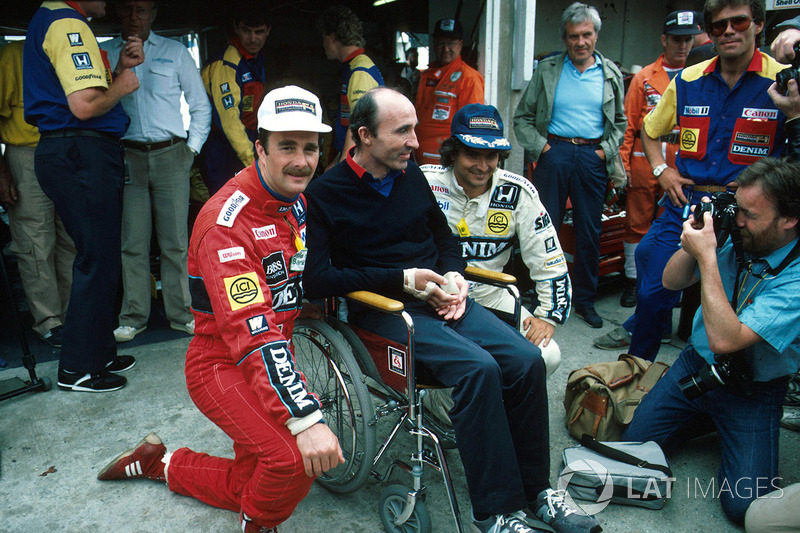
{"points": [[780, 182], [451, 147], [345, 26]]}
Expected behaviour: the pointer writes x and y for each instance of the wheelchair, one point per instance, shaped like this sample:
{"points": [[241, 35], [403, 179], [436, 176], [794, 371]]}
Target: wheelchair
{"points": [[348, 368]]}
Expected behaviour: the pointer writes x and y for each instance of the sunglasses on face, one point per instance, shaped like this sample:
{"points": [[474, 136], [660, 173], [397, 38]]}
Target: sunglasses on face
{"points": [[738, 23]]}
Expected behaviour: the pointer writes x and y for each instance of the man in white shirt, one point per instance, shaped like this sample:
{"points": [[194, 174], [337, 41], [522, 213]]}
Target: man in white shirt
{"points": [[158, 157]]}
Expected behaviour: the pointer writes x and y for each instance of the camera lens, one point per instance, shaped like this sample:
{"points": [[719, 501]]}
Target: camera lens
{"points": [[704, 380]]}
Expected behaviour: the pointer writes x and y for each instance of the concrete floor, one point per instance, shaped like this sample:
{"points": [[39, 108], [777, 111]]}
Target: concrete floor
{"points": [[52, 445]]}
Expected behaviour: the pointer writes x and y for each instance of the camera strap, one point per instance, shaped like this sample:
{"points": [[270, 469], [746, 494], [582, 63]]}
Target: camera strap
{"points": [[743, 264]]}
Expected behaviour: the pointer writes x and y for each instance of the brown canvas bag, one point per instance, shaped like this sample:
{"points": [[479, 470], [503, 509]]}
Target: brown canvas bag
{"points": [[600, 398]]}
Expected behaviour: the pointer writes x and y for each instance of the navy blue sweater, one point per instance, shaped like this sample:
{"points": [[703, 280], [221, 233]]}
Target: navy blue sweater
{"points": [[358, 239]]}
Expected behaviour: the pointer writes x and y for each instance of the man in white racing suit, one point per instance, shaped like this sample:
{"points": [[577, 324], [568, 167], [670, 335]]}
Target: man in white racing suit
{"points": [[489, 209]]}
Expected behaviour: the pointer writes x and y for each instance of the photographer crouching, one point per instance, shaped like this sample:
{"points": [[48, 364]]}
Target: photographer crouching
{"points": [[732, 374]]}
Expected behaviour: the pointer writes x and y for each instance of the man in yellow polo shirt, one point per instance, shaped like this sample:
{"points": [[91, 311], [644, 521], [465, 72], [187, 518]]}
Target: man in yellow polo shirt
{"points": [[40, 243]]}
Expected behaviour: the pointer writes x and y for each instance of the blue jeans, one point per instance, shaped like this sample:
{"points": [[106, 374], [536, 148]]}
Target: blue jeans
{"points": [[747, 424], [577, 172], [500, 398], [654, 302]]}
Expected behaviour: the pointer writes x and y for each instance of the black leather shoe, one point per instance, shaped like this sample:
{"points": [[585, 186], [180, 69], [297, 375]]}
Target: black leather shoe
{"points": [[590, 316], [628, 298]]}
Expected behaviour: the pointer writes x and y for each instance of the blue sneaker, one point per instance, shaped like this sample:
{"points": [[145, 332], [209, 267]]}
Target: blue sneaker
{"points": [[551, 509]]}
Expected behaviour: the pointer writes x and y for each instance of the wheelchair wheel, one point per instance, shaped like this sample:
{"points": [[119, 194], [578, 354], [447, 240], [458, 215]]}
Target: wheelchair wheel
{"points": [[393, 501], [334, 375]]}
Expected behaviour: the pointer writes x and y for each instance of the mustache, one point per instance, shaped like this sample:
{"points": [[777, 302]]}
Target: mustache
{"points": [[302, 172]]}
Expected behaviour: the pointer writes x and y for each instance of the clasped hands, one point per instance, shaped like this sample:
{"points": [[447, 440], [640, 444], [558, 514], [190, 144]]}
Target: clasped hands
{"points": [[447, 294]]}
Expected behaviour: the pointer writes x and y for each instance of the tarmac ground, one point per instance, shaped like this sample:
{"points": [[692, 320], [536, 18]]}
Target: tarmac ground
{"points": [[52, 444]]}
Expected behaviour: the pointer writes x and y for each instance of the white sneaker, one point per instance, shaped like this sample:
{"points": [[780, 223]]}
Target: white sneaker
{"points": [[186, 328], [791, 418], [127, 333]]}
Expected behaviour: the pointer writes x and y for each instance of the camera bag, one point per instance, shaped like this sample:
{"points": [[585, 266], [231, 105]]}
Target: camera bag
{"points": [[629, 473], [600, 398]]}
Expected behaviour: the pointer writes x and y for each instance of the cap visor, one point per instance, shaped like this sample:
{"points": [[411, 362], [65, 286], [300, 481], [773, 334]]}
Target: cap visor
{"points": [[295, 124], [484, 142]]}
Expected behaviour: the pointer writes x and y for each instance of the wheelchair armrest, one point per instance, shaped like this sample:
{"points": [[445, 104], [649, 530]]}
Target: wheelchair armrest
{"points": [[490, 277], [376, 301]]}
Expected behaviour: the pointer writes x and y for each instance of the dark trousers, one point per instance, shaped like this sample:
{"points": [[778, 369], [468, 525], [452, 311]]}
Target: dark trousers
{"points": [[748, 425], [653, 315], [577, 172], [500, 396], [84, 178]]}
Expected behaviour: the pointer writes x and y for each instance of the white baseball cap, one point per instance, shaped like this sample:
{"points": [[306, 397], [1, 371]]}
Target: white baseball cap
{"points": [[291, 108]]}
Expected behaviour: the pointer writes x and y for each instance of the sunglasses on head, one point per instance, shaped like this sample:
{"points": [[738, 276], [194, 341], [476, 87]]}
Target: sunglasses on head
{"points": [[738, 23]]}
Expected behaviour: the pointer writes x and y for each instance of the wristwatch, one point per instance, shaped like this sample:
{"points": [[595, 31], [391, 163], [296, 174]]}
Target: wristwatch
{"points": [[660, 169]]}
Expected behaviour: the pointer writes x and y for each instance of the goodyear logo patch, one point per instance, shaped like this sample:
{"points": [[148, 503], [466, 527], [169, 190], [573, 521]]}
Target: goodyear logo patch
{"points": [[75, 39], [497, 223], [243, 290], [696, 110], [257, 324], [227, 101], [82, 61], [289, 105], [224, 88], [484, 123], [231, 209], [689, 138]]}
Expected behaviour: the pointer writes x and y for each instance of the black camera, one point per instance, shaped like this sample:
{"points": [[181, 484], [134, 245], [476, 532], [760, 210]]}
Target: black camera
{"points": [[791, 73], [729, 369], [723, 209]]}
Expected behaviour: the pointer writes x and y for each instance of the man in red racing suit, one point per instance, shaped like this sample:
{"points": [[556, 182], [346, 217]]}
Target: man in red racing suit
{"points": [[246, 259]]}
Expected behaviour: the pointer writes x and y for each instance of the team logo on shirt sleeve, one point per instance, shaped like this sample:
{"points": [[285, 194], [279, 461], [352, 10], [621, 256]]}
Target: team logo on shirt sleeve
{"points": [[227, 101], [542, 222], [257, 324], [247, 103], [243, 290], [224, 88], [75, 39], [82, 61]]}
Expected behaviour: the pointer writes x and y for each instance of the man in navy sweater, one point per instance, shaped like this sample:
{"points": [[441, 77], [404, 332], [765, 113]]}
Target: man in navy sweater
{"points": [[374, 224]]}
